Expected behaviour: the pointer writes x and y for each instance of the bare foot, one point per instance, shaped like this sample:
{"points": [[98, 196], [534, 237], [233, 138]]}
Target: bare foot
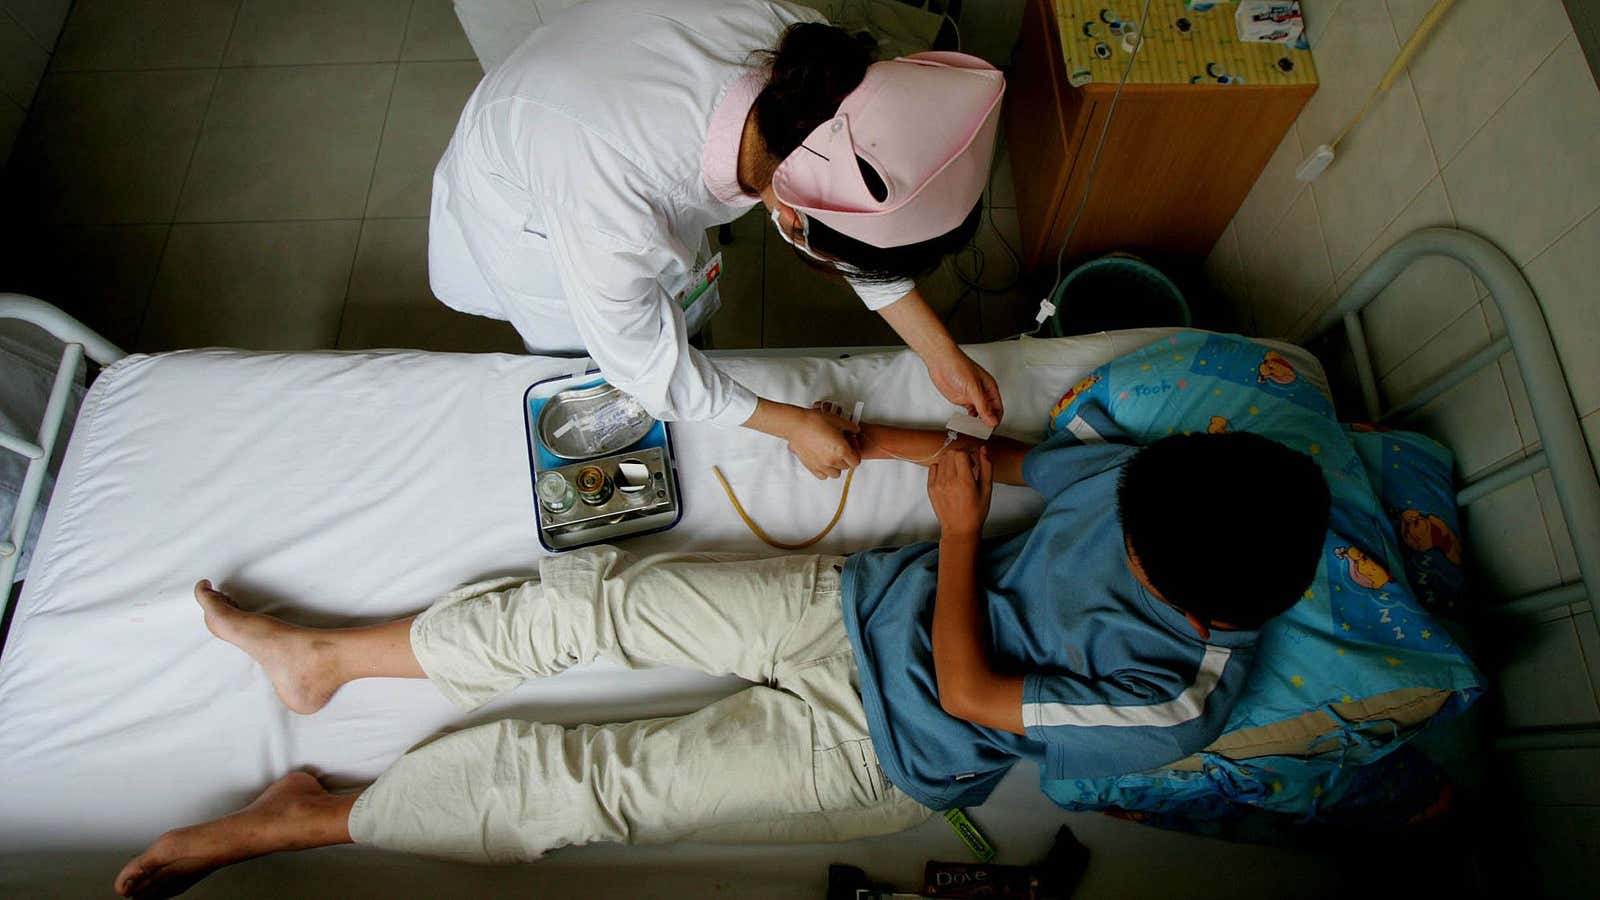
{"points": [[299, 661], [294, 813]]}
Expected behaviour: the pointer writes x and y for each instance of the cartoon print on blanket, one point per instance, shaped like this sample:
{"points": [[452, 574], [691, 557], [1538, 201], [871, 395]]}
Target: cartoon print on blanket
{"points": [[1250, 801], [1413, 476], [1359, 630]]}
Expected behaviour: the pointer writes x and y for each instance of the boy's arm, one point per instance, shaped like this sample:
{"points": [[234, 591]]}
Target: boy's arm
{"points": [[969, 687], [917, 444]]}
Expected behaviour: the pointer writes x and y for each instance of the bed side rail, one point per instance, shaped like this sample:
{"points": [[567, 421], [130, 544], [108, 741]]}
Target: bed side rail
{"points": [[37, 449], [1563, 450], [1527, 338]]}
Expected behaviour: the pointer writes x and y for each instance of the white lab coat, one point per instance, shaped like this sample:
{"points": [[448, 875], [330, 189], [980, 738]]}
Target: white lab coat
{"points": [[570, 200]]}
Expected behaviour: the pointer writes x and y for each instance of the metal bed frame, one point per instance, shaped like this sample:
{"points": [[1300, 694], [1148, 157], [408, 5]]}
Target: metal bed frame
{"points": [[1562, 448], [1527, 337], [80, 341]]}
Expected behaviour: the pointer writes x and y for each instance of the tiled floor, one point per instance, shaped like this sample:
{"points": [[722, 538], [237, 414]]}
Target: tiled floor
{"points": [[255, 173]]}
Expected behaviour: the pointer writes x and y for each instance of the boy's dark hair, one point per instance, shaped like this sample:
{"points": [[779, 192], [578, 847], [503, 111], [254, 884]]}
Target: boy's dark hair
{"points": [[813, 68], [1228, 527]]}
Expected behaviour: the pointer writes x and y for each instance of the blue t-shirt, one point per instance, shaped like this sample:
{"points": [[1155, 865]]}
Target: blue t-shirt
{"points": [[1116, 681]]}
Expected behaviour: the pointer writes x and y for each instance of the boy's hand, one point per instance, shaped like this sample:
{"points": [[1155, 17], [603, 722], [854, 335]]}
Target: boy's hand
{"points": [[959, 485]]}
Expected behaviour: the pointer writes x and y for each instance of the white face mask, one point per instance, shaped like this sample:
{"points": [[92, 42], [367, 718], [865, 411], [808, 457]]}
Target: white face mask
{"points": [[805, 234]]}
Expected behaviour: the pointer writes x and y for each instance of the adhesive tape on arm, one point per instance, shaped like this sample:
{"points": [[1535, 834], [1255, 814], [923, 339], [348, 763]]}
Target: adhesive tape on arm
{"points": [[971, 426]]}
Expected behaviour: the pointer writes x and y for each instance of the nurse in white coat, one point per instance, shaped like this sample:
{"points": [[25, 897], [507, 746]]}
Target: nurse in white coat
{"points": [[575, 195]]}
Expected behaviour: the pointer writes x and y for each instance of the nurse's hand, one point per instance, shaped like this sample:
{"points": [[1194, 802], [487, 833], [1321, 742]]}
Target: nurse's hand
{"points": [[820, 438], [961, 381], [967, 385]]}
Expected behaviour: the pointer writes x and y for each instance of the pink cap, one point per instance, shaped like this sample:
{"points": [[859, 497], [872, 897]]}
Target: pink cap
{"points": [[926, 124]]}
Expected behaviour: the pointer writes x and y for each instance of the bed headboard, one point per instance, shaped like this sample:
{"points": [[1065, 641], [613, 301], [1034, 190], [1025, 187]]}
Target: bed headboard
{"points": [[1562, 447], [39, 448]]}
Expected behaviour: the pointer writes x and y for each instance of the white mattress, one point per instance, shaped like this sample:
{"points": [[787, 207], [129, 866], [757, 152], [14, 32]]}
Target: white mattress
{"points": [[345, 488]]}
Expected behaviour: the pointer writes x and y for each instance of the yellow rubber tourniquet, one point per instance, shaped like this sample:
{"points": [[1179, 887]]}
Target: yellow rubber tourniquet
{"points": [[760, 533]]}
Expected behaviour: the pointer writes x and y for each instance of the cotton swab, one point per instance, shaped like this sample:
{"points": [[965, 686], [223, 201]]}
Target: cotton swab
{"points": [[1322, 157]]}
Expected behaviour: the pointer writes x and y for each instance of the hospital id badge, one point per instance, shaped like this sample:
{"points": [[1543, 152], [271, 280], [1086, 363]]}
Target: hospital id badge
{"points": [[700, 299]]}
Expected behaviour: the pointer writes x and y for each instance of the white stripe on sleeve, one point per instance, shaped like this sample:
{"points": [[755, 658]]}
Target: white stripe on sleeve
{"points": [[1180, 709]]}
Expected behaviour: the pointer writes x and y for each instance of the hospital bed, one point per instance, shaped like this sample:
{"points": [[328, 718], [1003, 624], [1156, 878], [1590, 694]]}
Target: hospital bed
{"points": [[344, 488]]}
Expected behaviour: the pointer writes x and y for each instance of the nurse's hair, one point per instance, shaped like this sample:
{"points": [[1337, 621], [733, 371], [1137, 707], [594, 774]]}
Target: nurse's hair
{"points": [[811, 71], [813, 68], [886, 264], [1229, 527]]}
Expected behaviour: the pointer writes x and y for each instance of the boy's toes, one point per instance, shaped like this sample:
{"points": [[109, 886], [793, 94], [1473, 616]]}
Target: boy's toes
{"points": [[129, 879], [203, 590]]}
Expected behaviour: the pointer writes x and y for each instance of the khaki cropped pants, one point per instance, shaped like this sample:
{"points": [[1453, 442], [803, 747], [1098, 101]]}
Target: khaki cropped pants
{"points": [[787, 760]]}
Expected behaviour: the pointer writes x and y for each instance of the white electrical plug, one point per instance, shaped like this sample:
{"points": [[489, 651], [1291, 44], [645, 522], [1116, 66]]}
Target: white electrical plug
{"points": [[1315, 164]]}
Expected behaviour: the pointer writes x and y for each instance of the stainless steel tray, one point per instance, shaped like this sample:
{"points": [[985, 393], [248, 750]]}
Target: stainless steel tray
{"points": [[657, 495], [622, 515], [560, 412]]}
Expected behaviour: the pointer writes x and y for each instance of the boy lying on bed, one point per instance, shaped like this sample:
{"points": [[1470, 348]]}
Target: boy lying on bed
{"points": [[1111, 637]]}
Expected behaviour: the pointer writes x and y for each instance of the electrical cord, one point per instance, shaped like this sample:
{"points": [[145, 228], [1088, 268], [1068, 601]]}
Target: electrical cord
{"points": [[974, 285], [975, 282], [1094, 161], [1046, 308], [953, 27], [877, 29]]}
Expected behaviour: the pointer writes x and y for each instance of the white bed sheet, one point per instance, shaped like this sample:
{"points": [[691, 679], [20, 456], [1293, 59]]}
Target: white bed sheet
{"points": [[346, 488]]}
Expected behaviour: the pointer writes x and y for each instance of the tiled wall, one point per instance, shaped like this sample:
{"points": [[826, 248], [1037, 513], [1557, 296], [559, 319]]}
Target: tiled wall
{"points": [[1495, 129], [28, 32]]}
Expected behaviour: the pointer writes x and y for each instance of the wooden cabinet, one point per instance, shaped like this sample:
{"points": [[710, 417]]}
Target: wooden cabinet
{"points": [[1197, 121]]}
